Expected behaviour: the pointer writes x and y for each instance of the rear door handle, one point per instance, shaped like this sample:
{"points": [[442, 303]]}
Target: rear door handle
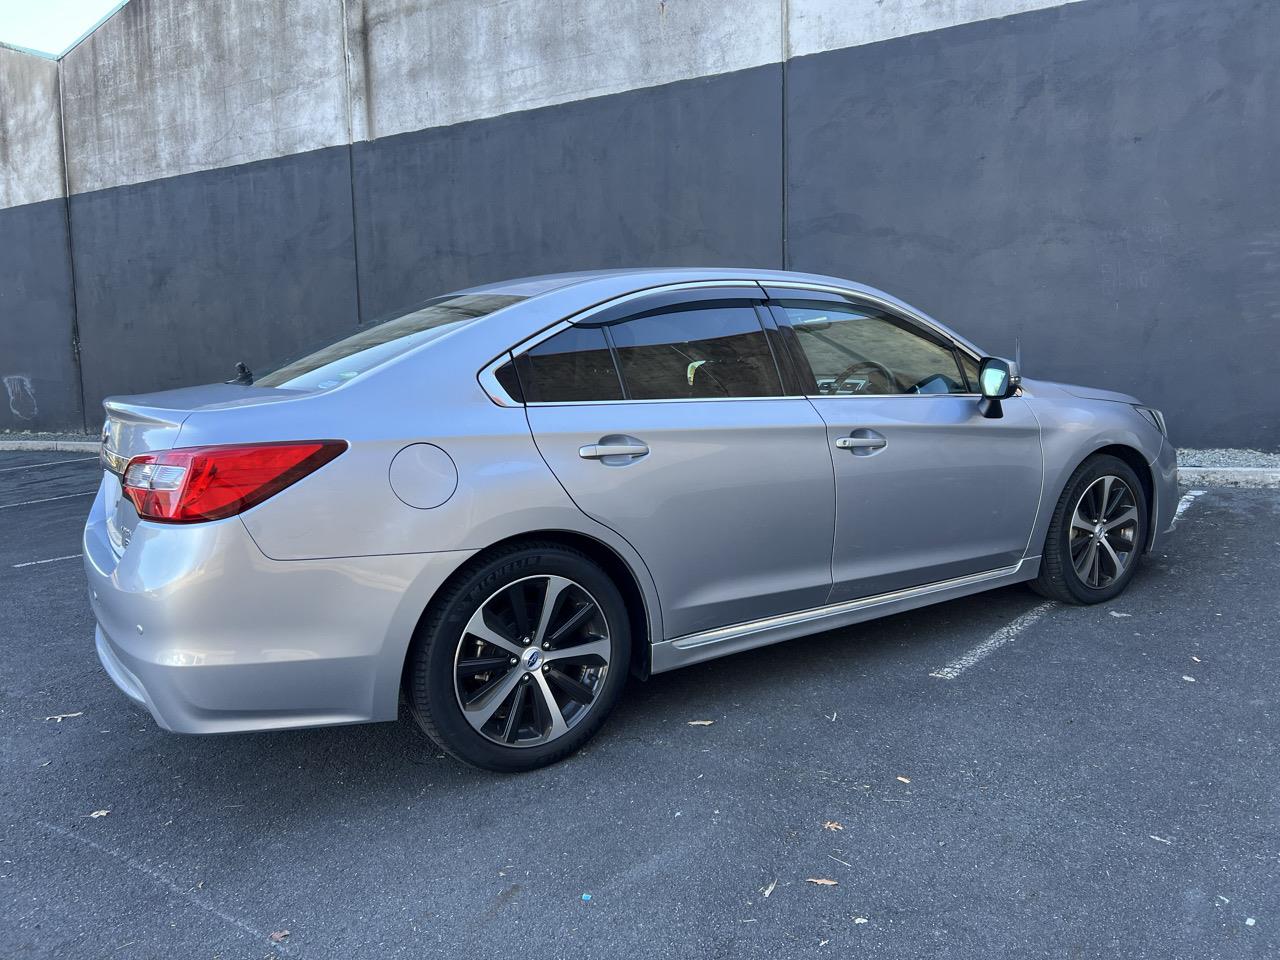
{"points": [[613, 446], [862, 442]]}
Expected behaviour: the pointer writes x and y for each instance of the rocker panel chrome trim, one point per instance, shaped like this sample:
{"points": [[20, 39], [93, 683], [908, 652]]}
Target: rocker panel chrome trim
{"points": [[710, 644]]}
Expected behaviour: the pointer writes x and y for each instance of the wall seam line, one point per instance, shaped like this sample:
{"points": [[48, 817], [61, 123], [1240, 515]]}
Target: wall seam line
{"points": [[76, 356], [785, 10], [351, 166]]}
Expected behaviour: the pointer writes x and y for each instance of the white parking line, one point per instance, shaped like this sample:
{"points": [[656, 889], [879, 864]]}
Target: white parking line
{"points": [[65, 496], [1006, 634], [1187, 500], [36, 563], [48, 463]]}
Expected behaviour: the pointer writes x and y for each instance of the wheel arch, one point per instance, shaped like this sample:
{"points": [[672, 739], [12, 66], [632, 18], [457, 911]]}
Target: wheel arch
{"points": [[1134, 458], [639, 615]]}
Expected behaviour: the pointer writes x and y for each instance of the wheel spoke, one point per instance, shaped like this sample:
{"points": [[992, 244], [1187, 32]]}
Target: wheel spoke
{"points": [[1130, 515], [477, 627], [511, 729], [570, 687], [555, 586], [1080, 523], [1104, 496], [481, 708], [1084, 563], [469, 668], [1117, 565], [580, 616], [597, 648], [558, 726]]}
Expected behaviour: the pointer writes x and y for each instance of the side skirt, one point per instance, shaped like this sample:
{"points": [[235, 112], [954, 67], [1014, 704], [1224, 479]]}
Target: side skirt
{"points": [[722, 641]]}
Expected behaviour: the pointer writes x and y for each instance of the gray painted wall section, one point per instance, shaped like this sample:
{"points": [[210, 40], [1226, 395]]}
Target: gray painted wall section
{"points": [[178, 279], [687, 173], [39, 382], [1099, 179]]}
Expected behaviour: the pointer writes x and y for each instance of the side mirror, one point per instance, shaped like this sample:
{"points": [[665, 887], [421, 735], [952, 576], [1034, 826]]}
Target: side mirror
{"points": [[997, 380]]}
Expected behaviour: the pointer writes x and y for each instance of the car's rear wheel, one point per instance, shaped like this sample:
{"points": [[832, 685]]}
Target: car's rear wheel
{"points": [[1096, 535], [521, 658]]}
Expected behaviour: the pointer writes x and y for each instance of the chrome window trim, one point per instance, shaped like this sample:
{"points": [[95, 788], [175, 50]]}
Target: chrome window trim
{"points": [[488, 378], [488, 374], [894, 308]]}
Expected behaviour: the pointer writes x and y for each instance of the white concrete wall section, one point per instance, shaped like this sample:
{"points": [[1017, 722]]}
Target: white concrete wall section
{"points": [[172, 86], [416, 65], [30, 129], [816, 26]]}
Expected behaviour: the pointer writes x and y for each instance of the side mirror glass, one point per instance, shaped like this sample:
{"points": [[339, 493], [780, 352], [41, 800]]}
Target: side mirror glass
{"points": [[997, 380]]}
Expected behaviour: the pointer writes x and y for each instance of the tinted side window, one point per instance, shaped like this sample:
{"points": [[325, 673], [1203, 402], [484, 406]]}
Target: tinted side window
{"points": [[697, 351], [573, 366], [862, 351]]}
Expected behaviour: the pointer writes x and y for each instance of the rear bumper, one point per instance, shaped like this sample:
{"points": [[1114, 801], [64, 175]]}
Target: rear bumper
{"points": [[1164, 474], [198, 626]]}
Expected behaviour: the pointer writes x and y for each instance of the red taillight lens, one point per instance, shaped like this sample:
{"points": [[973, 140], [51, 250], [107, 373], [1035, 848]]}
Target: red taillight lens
{"points": [[210, 483]]}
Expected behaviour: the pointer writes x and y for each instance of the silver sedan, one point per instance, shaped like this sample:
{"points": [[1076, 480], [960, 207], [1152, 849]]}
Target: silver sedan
{"points": [[500, 503]]}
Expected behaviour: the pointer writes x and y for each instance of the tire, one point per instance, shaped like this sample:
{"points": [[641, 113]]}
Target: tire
{"points": [[489, 615], [1067, 550]]}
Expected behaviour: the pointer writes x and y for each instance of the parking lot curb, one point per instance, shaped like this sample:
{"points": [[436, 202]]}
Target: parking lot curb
{"points": [[1230, 476], [59, 446]]}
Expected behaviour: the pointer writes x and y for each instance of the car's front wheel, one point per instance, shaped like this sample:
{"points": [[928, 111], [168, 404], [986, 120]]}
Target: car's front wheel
{"points": [[521, 658], [1096, 535]]}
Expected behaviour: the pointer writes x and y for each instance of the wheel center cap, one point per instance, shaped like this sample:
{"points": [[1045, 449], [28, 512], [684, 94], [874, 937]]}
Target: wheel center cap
{"points": [[531, 658]]}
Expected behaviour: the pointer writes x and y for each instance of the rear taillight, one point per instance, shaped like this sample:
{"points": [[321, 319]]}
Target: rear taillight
{"points": [[210, 483]]}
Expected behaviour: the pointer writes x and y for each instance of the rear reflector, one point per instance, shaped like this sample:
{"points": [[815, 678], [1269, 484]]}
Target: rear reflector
{"points": [[195, 484]]}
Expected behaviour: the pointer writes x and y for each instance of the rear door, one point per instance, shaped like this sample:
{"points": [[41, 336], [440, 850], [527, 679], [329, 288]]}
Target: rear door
{"points": [[666, 420], [927, 489]]}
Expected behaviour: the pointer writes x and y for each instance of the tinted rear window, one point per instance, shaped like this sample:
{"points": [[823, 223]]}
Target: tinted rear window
{"points": [[339, 361]]}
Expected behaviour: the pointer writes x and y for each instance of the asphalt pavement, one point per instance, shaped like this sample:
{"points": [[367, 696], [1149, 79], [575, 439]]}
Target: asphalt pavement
{"points": [[991, 777]]}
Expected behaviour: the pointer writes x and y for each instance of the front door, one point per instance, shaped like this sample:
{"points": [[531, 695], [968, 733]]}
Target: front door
{"points": [[669, 426], [927, 489]]}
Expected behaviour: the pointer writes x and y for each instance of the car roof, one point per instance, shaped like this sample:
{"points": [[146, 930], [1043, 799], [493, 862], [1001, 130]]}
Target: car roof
{"points": [[597, 285]]}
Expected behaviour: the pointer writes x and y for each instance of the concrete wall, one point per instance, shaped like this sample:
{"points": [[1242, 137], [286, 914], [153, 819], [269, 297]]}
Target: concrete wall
{"points": [[1093, 175], [39, 381]]}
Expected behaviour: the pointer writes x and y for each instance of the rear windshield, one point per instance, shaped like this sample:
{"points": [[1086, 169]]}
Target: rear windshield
{"points": [[384, 340]]}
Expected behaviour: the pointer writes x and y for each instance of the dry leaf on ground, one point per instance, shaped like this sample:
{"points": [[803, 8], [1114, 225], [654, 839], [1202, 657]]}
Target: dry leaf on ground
{"points": [[822, 882], [279, 935], [832, 825]]}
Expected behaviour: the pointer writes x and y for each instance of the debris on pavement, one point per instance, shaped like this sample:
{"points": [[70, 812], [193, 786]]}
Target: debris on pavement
{"points": [[832, 825], [586, 898], [1160, 839], [1117, 614], [279, 936], [860, 920], [769, 889], [904, 779], [822, 881], [1249, 921], [1188, 679], [700, 723], [59, 717], [99, 813]]}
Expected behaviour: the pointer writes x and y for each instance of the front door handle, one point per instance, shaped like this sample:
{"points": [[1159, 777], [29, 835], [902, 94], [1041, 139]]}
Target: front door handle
{"points": [[622, 447], [862, 442]]}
